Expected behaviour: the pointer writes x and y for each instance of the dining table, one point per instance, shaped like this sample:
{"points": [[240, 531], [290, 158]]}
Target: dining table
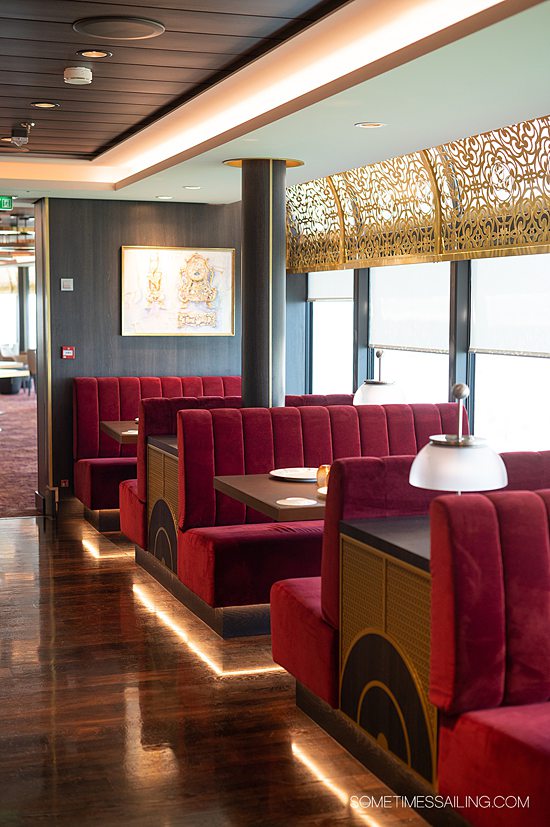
{"points": [[265, 494], [124, 431]]}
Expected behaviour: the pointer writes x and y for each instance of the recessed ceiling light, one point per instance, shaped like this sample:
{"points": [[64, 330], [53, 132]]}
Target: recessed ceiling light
{"points": [[45, 105], [191, 188], [94, 54], [164, 197], [119, 28], [369, 124]]}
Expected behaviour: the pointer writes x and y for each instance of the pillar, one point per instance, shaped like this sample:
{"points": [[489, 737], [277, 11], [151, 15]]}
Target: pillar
{"points": [[263, 256]]}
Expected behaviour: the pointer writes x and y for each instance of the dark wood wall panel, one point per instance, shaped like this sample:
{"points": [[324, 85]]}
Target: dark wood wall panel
{"points": [[85, 241]]}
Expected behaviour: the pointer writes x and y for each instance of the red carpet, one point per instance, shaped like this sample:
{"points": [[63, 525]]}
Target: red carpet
{"points": [[18, 462]]}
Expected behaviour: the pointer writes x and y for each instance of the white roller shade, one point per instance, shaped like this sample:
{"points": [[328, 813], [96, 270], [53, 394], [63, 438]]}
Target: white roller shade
{"points": [[332, 284], [511, 304], [410, 306]]}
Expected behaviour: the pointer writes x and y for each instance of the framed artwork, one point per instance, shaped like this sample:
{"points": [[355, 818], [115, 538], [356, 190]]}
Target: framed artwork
{"points": [[178, 291]]}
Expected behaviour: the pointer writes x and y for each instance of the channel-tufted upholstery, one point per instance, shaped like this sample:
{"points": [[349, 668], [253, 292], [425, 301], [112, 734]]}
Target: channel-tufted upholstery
{"points": [[118, 398], [157, 416], [238, 567], [359, 488], [490, 668]]}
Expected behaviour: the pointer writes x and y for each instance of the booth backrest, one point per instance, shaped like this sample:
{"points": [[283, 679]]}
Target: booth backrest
{"points": [[368, 487], [490, 565], [159, 416], [255, 440], [118, 397], [297, 401]]}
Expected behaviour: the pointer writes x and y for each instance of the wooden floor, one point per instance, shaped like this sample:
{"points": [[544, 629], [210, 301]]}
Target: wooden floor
{"points": [[118, 707]]}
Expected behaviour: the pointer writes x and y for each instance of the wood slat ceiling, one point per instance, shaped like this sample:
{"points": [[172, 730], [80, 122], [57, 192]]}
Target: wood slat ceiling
{"points": [[204, 41]]}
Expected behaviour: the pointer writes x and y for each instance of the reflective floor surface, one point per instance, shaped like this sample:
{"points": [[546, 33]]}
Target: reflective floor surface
{"points": [[119, 707]]}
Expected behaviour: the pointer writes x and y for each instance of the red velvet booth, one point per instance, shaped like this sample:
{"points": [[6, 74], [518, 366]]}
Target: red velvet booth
{"points": [[305, 614], [490, 659], [156, 417], [100, 463], [229, 555]]}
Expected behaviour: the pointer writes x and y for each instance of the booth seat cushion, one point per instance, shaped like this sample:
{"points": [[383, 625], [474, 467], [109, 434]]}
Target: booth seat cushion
{"points": [[237, 565], [302, 641], [498, 752], [96, 481], [133, 513]]}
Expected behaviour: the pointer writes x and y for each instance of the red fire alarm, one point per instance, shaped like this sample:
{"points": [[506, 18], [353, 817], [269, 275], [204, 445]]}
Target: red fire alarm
{"points": [[68, 351]]}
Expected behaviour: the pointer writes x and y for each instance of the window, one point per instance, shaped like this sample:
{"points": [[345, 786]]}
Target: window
{"points": [[510, 343], [9, 317], [409, 320], [31, 310], [331, 294]]}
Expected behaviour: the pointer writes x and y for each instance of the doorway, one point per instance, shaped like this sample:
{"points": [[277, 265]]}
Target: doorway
{"points": [[18, 342]]}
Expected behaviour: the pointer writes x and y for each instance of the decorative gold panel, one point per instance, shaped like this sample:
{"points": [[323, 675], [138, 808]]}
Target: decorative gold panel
{"points": [[408, 597], [487, 195], [171, 485], [162, 481], [389, 211], [383, 596], [313, 226], [363, 585], [155, 474]]}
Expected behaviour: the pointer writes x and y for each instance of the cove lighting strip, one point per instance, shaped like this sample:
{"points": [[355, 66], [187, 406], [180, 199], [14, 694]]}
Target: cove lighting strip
{"points": [[340, 794], [148, 603]]}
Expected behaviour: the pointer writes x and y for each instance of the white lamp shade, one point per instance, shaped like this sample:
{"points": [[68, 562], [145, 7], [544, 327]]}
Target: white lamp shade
{"points": [[372, 392], [470, 466]]}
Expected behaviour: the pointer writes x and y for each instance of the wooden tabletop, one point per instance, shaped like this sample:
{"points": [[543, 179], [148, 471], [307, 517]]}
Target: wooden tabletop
{"points": [[407, 538], [124, 431], [167, 443], [261, 492], [6, 373]]}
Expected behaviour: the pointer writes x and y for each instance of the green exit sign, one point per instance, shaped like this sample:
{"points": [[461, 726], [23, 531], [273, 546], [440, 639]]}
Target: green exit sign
{"points": [[6, 202]]}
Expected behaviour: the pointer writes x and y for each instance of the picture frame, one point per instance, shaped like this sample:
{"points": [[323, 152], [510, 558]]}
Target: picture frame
{"points": [[177, 291]]}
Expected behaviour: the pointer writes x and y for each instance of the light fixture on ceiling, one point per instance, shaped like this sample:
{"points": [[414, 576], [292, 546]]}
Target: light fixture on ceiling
{"points": [[191, 187], [19, 136], [94, 54], [370, 124], [45, 105], [77, 75], [453, 462], [164, 197], [119, 28], [376, 391]]}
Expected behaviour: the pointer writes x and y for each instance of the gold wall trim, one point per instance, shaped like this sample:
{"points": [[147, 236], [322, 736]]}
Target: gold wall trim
{"points": [[484, 196]]}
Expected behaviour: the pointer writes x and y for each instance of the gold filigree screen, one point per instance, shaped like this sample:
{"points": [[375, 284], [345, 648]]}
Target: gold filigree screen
{"points": [[486, 195]]}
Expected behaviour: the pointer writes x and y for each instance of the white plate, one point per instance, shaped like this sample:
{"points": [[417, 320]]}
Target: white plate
{"points": [[322, 492], [295, 501], [131, 432], [295, 474]]}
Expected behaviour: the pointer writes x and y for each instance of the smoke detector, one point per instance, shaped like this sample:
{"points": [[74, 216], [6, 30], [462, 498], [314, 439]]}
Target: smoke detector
{"points": [[77, 75]]}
